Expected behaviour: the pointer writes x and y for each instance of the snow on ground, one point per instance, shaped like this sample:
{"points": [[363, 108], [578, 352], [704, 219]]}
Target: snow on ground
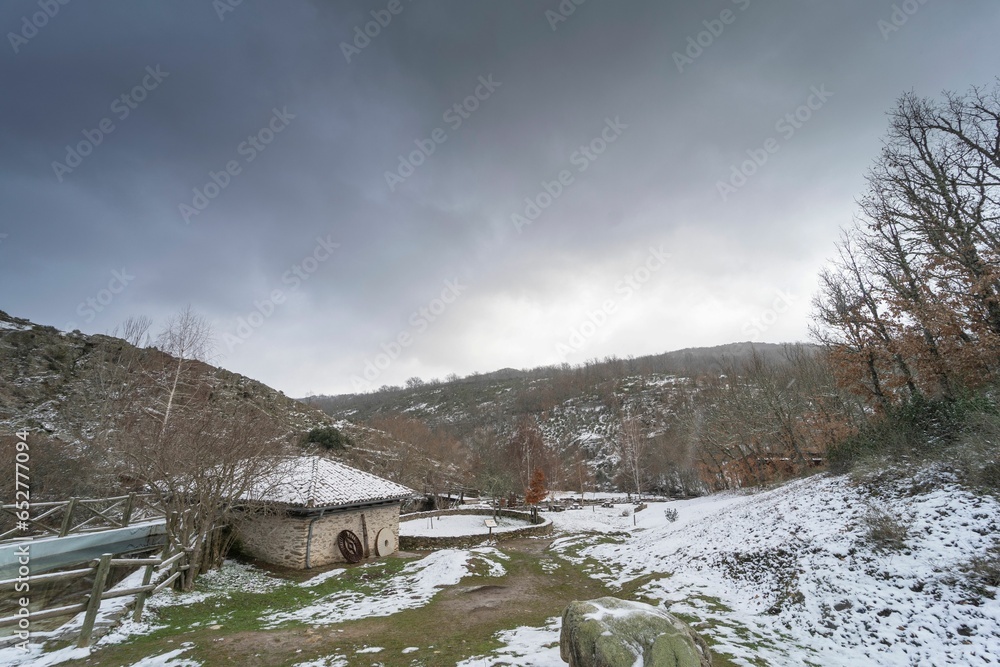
{"points": [[782, 577], [456, 525], [320, 578], [13, 326], [36, 655], [169, 659], [232, 576], [329, 661], [788, 577], [412, 587], [524, 647], [620, 517]]}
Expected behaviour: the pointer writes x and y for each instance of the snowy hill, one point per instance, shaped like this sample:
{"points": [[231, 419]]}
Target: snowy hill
{"points": [[802, 574], [577, 409]]}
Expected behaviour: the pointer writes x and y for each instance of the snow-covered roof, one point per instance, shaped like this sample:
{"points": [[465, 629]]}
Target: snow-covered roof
{"points": [[314, 481]]}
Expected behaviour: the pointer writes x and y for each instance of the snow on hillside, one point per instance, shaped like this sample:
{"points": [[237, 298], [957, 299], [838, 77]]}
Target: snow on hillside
{"points": [[788, 576]]}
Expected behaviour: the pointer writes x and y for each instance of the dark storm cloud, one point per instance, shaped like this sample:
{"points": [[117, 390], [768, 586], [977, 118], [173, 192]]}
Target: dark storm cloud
{"points": [[313, 263]]}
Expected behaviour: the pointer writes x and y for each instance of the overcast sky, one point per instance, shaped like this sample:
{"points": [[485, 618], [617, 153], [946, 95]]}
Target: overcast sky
{"points": [[466, 187]]}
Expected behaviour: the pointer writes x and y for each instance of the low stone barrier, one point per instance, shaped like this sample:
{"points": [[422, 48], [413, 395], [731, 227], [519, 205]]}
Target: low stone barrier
{"points": [[428, 543]]}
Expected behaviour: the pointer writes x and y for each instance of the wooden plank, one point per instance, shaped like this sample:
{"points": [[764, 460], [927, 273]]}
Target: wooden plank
{"points": [[170, 561], [46, 613], [33, 506], [44, 578], [140, 598], [67, 518], [101, 514], [94, 601], [364, 534], [122, 592], [49, 503], [127, 510], [166, 582], [33, 521], [136, 562]]}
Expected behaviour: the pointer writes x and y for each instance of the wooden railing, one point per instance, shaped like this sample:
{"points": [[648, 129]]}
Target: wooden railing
{"points": [[173, 562], [56, 519], [173, 566]]}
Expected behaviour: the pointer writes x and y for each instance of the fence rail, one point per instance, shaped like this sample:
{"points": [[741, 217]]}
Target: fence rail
{"points": [[170, 565], [79, 515]]}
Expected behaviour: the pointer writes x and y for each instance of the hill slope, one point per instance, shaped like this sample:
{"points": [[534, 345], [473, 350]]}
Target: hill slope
{"points": [[578, 411], [56, 385], [50, 382]]}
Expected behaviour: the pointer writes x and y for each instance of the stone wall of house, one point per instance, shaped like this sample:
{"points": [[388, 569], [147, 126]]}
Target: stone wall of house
{"points": [[283, 539], [382, 521], [275, 538]]}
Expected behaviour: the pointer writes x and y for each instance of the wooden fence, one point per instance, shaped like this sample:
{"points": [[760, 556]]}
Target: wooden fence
{"points": [[174, 564], [56, 519]]}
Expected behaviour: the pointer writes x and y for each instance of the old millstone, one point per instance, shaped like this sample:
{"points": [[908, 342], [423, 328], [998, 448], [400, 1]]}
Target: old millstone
{"points": [[608, 632]]}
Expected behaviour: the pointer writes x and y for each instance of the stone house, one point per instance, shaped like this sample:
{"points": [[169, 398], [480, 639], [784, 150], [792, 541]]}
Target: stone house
{"points": [[318, 511]]}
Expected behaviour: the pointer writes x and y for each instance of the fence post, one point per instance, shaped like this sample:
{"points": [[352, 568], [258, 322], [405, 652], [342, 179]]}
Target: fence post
{"points": [[94, 601], [140, 597], [68, 518], [127, 510]]}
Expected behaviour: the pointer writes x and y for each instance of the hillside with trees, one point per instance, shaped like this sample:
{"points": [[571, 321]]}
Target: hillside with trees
{"points": [[906, 339]]}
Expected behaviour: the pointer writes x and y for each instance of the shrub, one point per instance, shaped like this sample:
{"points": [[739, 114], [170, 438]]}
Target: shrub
{"points": [[984, 573], [885, 531], [921, 428], [328, 438]]}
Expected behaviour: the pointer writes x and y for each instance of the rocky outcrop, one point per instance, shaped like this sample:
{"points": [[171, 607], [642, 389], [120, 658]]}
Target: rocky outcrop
{"points": [[608, 632]]}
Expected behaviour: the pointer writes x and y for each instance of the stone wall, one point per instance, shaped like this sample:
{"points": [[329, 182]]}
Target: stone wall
{"points": [[414, 543], [282, 539], [324, 549], [275, 538]]}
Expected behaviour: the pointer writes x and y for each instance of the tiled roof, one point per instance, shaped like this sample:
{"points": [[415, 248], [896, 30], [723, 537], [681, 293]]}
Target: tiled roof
{"points": [[314, 481]]}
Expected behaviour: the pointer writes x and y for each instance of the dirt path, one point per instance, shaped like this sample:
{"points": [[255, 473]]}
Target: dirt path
{"points": [[460, 621]]}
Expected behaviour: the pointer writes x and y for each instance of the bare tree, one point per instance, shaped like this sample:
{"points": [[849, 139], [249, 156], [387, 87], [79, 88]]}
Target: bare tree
{"points": [[187, 337], [915, 299], [171, 428], [631, 445]]}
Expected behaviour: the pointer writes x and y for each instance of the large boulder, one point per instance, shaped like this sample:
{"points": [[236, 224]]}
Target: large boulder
{"points": [[608, 632]]}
